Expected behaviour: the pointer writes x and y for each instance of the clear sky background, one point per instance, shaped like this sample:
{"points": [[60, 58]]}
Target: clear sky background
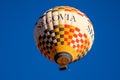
{"points": [[21, 60]]}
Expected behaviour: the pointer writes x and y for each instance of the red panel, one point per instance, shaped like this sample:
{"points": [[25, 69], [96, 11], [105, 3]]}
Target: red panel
{"points": [[77, 40], [68, 10], [77, 50], [80, 14], [85, 35], [80, 34], [75, 35], [66, 32], [70, 37], [86, 41], [81, 40], [78, 45], [65, 39], [68, 43], [67, 26], [73, 41], [84, 47], [80, 51], [81, 46], [71, 30], [77, 29], [74, 46]]}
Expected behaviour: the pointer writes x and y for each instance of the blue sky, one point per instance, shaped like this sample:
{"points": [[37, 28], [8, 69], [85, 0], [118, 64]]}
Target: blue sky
{"points": [[21, 60]]}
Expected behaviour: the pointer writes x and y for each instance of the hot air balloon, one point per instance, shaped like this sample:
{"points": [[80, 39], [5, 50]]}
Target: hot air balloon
{"points": [[64, 35]]}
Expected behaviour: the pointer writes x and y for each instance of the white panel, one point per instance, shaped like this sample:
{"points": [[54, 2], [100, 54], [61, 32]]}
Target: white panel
{"points": [[73, 19], [55, 17], [44, 22], [49, 20], [67, 17], [61, 16], [73, 38]]}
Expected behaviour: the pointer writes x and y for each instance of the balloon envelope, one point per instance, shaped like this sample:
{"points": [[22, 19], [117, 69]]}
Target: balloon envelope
{"points": [[64, 34]]}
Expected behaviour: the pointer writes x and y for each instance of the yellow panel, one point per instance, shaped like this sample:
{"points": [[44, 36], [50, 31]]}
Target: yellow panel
{"points": [[65, 36], [57, 36], [69, 40], [66, 48], [70, 33], [74, 10], [65, 43], [56, 8], [56, 30], [61, 39], [72, 27], [61, 32], [52, 53], [61, 9], [61, 25], [58, 43]]}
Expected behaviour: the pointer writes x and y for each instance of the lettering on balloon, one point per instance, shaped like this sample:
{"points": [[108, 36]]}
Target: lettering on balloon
{"points": [[56, 17], [62, 17], [90, 31]]}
